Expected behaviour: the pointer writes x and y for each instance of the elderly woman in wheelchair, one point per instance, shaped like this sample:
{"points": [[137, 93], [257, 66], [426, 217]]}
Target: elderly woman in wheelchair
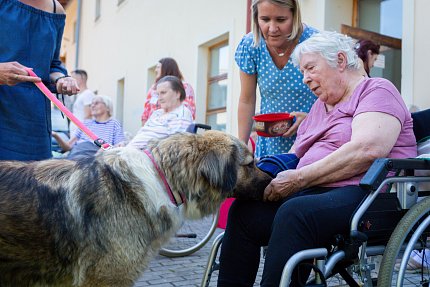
{"points": [[354, 121]]}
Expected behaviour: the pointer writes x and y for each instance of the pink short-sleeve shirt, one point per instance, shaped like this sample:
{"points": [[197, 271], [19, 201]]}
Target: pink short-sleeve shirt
{"points": [[321, 133]]}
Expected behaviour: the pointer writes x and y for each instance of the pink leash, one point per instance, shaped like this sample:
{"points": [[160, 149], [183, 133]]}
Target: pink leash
{"points": [[173, 198], [252, 144], [97, 141]]}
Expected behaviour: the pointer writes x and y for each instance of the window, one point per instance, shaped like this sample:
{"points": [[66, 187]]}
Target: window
{"points": [[98, 10], [216, 114]]}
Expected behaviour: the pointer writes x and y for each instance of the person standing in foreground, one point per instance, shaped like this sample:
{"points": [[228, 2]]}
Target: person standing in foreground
{"points": [[167, 67], [82, 106], [30, 34], [263, 57], [354, 121]]}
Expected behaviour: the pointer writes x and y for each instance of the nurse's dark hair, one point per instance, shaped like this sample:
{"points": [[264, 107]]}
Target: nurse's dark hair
{"points": [[361, 49], [169, 67]]}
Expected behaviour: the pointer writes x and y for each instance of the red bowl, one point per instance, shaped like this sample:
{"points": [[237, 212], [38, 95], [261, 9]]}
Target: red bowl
{"points": [[272, 125]]}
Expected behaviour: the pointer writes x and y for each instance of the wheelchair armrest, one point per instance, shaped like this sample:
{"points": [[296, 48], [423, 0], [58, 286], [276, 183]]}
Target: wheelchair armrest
{"points": [[380, 168], [195, 126]]}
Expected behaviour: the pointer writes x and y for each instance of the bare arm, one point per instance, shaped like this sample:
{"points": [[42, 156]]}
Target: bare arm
{"points": [[373, 136], [65, 145], [247, 101]]}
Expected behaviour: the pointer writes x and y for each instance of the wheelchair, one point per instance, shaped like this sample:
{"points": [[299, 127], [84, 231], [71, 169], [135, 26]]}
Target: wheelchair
{"points": [[393, 220]]}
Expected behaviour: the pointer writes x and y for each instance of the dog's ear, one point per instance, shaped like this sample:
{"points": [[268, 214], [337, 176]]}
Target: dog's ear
{"points": [[220, 169]]}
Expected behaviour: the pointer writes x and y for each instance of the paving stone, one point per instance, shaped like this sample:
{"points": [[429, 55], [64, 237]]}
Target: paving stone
{"points": [[181, 271]]}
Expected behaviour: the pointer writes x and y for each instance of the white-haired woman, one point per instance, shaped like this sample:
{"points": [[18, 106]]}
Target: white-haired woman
{"points": [[102, 124], [354, 121]]}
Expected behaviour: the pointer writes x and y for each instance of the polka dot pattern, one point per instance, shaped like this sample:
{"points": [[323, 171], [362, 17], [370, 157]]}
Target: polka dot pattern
{"points": [[280, 90]]}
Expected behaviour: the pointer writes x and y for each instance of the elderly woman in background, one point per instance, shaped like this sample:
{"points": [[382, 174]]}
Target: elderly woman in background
{"points": [[354, 121], [167, 67], [102, 124], [171, 118]]}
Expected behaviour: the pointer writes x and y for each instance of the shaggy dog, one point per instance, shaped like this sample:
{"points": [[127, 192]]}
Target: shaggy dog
{"points": [[98, 221]]}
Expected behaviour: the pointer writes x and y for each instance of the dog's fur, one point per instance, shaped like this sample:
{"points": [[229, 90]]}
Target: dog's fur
{"points": [[97, 222]]}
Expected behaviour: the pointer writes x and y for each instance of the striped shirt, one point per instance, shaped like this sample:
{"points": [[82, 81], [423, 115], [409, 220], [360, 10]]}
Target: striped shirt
{"points": [[110, 131], [161, 124]]}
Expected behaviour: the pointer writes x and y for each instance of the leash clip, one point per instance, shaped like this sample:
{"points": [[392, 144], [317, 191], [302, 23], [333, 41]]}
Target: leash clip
{"points": [[101, 143]]}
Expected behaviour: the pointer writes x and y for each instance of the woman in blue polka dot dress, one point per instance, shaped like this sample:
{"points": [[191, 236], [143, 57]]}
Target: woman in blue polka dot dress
{"points": [[263, 57]]}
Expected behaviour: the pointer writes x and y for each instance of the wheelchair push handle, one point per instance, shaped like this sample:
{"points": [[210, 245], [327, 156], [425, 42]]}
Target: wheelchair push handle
{"points": [[195, 126], [382, 166]]}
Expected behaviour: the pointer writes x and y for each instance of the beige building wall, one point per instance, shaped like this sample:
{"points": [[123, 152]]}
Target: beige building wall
{"points": [[326, 14], [415, 56], [127, 40], [68, 45], [330, 14], [121, 47]]}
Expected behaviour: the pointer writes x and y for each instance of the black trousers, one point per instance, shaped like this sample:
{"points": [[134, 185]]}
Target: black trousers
{"points": [[309, 219]]}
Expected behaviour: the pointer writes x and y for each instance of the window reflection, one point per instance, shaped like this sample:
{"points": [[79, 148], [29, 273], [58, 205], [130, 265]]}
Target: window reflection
{"points": [[217, 95]]}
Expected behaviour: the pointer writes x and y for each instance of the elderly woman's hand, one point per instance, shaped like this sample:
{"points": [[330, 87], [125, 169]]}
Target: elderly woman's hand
{"points": [[286, 183], [300, 116]]}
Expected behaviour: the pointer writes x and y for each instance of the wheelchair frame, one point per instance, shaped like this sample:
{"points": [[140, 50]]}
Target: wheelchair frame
{"points": [[374, 181], [406, 229], [357, 250]]}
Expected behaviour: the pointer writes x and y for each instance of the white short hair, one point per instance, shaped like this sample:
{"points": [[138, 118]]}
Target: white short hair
{"points": [[107, 101], [328, 45]]}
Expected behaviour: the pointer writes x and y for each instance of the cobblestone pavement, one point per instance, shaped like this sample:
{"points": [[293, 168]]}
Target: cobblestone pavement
{"points": [[182, 271], [188, 271]]}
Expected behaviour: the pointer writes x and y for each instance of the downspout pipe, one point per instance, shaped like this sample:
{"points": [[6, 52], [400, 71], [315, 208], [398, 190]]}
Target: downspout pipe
{"points": [[77, 33]]}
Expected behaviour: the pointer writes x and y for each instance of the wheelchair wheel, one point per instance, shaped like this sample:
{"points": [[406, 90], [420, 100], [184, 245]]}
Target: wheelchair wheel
{"points": [[410, 237], [192, 236]]}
